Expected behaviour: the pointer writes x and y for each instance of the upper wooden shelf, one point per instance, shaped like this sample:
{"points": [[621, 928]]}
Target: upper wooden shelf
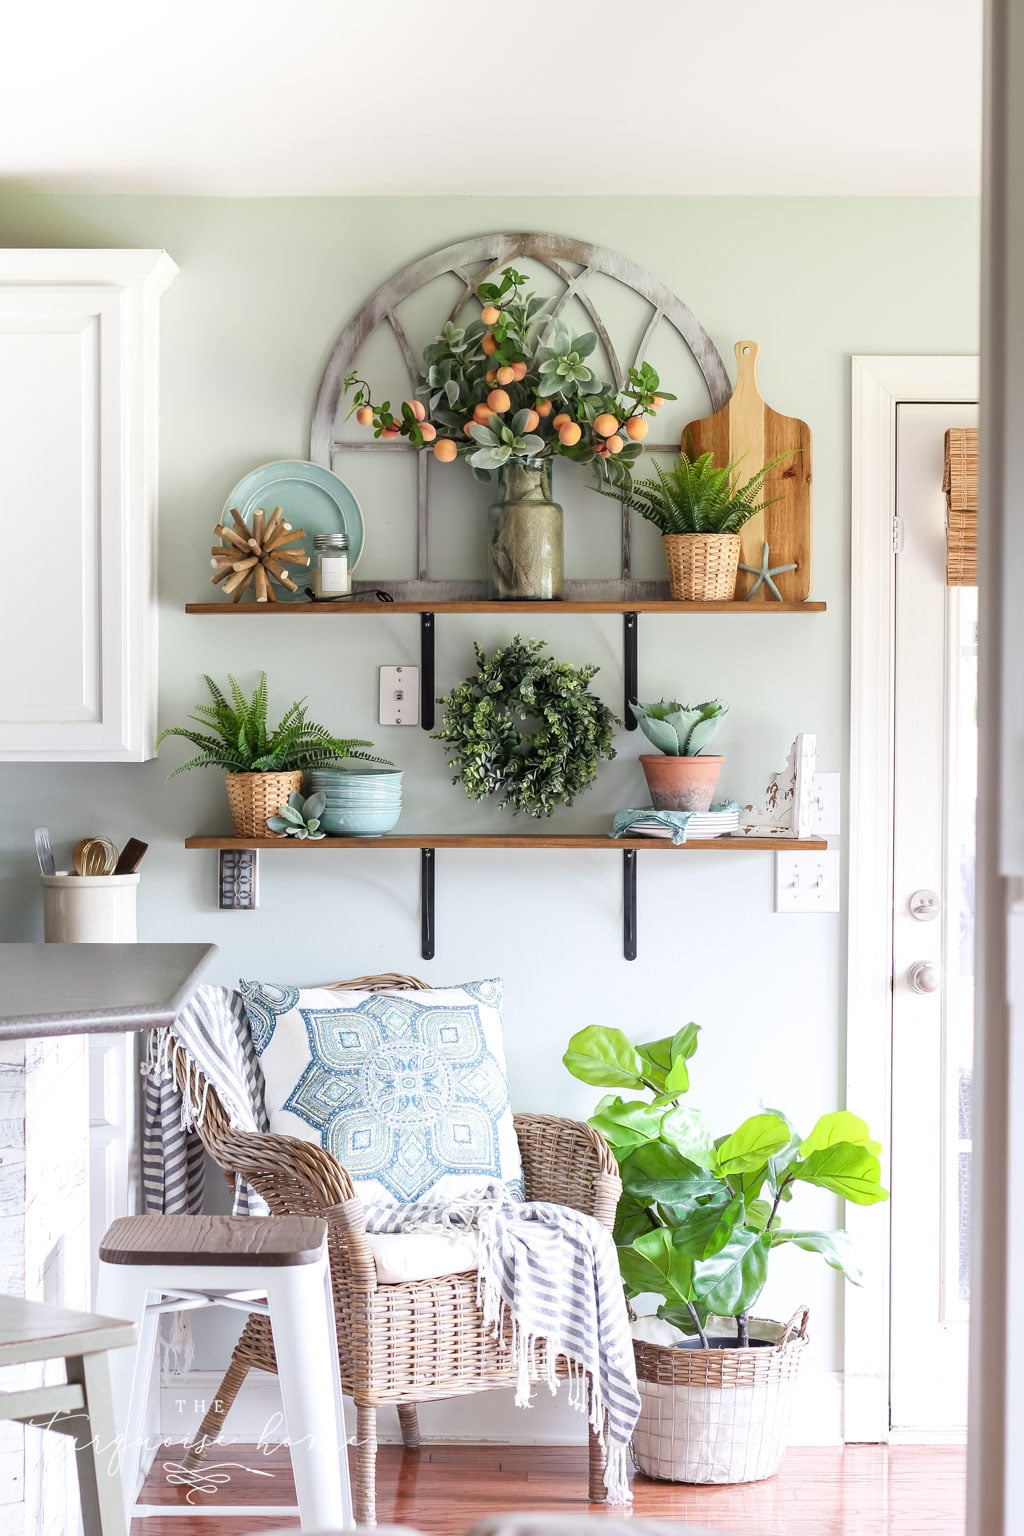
{"points": [[562, 840], [425, 605]]}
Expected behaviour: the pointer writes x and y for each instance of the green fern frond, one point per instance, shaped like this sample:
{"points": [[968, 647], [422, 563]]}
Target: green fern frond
{"points": [[235, 737], [696, 495]]}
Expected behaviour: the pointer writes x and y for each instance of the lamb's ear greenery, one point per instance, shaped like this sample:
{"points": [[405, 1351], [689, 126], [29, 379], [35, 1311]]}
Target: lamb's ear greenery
{"points": [[700, 1216], [236, 738], [695, 495]]}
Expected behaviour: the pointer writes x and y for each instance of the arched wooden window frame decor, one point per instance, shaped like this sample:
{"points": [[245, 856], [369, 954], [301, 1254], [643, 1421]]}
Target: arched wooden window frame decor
{"points": [[494, 252]]}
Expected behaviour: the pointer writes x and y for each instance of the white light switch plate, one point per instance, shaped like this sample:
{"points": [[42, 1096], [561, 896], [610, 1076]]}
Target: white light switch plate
{"points": [[827, 810], [399, 696], [807, 882]]}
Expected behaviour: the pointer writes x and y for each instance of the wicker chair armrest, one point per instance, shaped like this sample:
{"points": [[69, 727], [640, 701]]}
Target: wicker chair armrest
{"points": [[298, 1177], [569, 1163]]}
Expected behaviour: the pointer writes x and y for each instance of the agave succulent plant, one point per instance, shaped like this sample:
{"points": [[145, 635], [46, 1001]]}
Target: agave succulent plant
{"points": [[236, 738], [300, 817], [680, 730], [696, 495]]}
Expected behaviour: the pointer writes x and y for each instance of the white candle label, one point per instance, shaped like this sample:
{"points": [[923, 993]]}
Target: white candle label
{"points": [[333, 574]]}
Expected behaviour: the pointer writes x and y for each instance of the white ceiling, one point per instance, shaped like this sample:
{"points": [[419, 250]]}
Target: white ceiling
{"points": [[300, 97]]}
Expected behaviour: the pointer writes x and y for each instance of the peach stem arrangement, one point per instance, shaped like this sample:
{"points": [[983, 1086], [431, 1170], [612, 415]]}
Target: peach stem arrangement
{"points": [[517, 383]]}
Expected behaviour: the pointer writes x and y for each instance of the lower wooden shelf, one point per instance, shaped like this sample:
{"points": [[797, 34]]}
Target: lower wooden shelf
{"points": [[238, 871], [569, 841]]}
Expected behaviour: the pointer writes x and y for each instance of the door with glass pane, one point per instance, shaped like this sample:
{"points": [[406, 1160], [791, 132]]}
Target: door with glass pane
{"points": [[933, 942]]}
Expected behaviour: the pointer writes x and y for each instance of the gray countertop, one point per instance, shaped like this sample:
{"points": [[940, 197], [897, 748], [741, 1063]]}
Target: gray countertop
{"points": [[82, 989]]}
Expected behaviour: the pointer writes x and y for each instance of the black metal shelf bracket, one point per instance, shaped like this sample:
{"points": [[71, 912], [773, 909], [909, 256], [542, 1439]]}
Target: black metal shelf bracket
{"points": [[630, 625], [427, 873], [427, 671], [629, 903]]}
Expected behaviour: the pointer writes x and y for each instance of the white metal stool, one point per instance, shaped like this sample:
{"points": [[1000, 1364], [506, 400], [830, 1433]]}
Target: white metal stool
{"points": [[150, 1265], [31, 1332]]}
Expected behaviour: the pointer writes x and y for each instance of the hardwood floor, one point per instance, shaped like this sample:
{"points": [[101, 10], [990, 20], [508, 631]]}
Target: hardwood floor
{"points": [[864, 1490]]}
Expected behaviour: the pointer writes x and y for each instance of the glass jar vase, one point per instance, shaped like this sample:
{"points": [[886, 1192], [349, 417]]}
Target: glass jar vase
{"points": [[525, 543]]}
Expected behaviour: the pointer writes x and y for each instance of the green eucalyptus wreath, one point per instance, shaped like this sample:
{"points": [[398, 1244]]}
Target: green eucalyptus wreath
{"points": [[526, 727]]}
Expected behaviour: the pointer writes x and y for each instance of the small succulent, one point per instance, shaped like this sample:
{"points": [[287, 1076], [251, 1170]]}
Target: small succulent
{"points": [[680, 730], [501, 443], [300, 818]]}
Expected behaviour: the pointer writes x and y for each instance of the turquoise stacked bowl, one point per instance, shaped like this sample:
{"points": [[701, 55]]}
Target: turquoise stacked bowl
{"points": [[361, 802]]}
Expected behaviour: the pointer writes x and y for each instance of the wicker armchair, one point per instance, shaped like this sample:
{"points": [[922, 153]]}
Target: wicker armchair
{"points": [[399, 1344]]}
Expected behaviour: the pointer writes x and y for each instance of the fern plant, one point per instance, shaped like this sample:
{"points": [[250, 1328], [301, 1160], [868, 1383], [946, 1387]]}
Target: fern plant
{"points": [[236, 738], [696, 495]]}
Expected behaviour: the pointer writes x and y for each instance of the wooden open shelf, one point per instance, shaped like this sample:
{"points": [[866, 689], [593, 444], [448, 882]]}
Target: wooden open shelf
{"points": [[570, 842], [428, 605], [238, 862]]}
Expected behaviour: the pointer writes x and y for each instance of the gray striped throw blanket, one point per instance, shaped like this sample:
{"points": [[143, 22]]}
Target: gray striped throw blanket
{"points": [[548, 1277]]}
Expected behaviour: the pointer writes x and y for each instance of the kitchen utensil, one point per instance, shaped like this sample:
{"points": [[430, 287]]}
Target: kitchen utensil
{"points": [[312, 498], [132, 855], [94, 856], [44, 851], [749, 430]]}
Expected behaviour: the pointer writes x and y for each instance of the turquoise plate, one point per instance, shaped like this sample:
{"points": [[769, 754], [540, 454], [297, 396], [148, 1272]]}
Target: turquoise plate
{"points": [[312, 499]]}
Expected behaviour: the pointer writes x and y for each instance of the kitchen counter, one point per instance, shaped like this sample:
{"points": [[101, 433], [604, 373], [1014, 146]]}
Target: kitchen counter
{"points": [[84, 989]]}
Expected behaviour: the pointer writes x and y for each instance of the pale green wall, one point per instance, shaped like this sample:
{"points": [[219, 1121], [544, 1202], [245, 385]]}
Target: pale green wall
{"points": [[247, 326]]}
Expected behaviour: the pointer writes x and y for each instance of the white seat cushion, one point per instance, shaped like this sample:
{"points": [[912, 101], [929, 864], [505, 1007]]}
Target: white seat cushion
{"points": [[403, 1256]]}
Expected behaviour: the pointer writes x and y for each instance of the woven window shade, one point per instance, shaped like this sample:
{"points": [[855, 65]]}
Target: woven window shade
{"points": [[960, 483]]}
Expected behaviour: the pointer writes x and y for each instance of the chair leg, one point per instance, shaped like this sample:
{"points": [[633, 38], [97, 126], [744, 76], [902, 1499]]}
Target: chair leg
{"points": [[224, 1397], [365, 1491], [597, 1463], [306, 1346], [409, 1424], [99, 1481]]}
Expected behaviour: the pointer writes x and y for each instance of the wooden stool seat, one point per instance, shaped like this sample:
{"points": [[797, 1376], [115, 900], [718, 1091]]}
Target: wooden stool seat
{"points": [[80, 1407], [221, 1240]]}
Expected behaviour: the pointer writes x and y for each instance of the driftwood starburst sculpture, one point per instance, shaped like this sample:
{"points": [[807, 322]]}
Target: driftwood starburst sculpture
{"points": [[257, 556]]}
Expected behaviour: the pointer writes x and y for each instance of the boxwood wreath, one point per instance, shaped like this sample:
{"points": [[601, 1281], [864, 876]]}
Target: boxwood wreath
{"points": [[526, 727]]}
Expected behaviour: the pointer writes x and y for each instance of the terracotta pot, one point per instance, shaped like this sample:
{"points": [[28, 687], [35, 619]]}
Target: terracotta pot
{"points": [[681, 783], [255, 796]]}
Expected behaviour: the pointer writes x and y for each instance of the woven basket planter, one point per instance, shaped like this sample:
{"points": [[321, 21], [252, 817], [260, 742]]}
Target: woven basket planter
{"points": [[717, 1415], [702, 567], [255, 796]]}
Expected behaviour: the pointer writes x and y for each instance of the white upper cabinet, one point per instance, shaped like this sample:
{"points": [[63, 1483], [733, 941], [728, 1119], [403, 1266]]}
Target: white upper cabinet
{"points": [[79, 375]]}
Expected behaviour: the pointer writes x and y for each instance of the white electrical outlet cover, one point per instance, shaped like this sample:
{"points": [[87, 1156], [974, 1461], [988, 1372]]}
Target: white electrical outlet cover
{"points": [[399, 696], [807, 882]]}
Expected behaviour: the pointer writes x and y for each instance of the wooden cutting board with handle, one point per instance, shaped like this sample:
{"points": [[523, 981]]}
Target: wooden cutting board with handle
{"points": [[749, 430]]}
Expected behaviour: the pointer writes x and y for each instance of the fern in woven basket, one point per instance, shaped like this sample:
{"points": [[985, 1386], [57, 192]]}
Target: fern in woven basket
{"points": [[237, 739], [696, 495]]}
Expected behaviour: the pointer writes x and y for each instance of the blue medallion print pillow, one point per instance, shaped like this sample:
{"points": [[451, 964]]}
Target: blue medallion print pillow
{"points": [[408, 1090]]}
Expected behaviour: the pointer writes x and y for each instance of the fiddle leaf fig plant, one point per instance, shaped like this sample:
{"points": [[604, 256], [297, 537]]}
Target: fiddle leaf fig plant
{"points": [[700, 1216], [680, 730]]}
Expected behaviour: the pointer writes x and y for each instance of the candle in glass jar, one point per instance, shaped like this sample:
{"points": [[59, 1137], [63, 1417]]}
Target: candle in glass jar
{"points": [[331, 574]]}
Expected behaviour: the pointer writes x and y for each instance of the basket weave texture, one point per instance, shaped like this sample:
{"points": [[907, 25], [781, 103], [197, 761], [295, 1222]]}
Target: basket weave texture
{"points": [[405, 1344], [255, 796], [717, 1415], [702, 567]]}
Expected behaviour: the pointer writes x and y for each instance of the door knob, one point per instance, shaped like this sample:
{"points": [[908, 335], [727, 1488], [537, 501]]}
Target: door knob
{"points": [[923, 976]]}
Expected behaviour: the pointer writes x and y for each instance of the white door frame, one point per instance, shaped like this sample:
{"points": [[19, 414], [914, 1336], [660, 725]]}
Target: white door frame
{"points": [[880, 385]]}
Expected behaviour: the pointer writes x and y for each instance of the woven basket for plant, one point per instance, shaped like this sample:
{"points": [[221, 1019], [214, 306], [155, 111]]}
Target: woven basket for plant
{"points": [[717, 1415], [702, 567], [255, 796]]}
